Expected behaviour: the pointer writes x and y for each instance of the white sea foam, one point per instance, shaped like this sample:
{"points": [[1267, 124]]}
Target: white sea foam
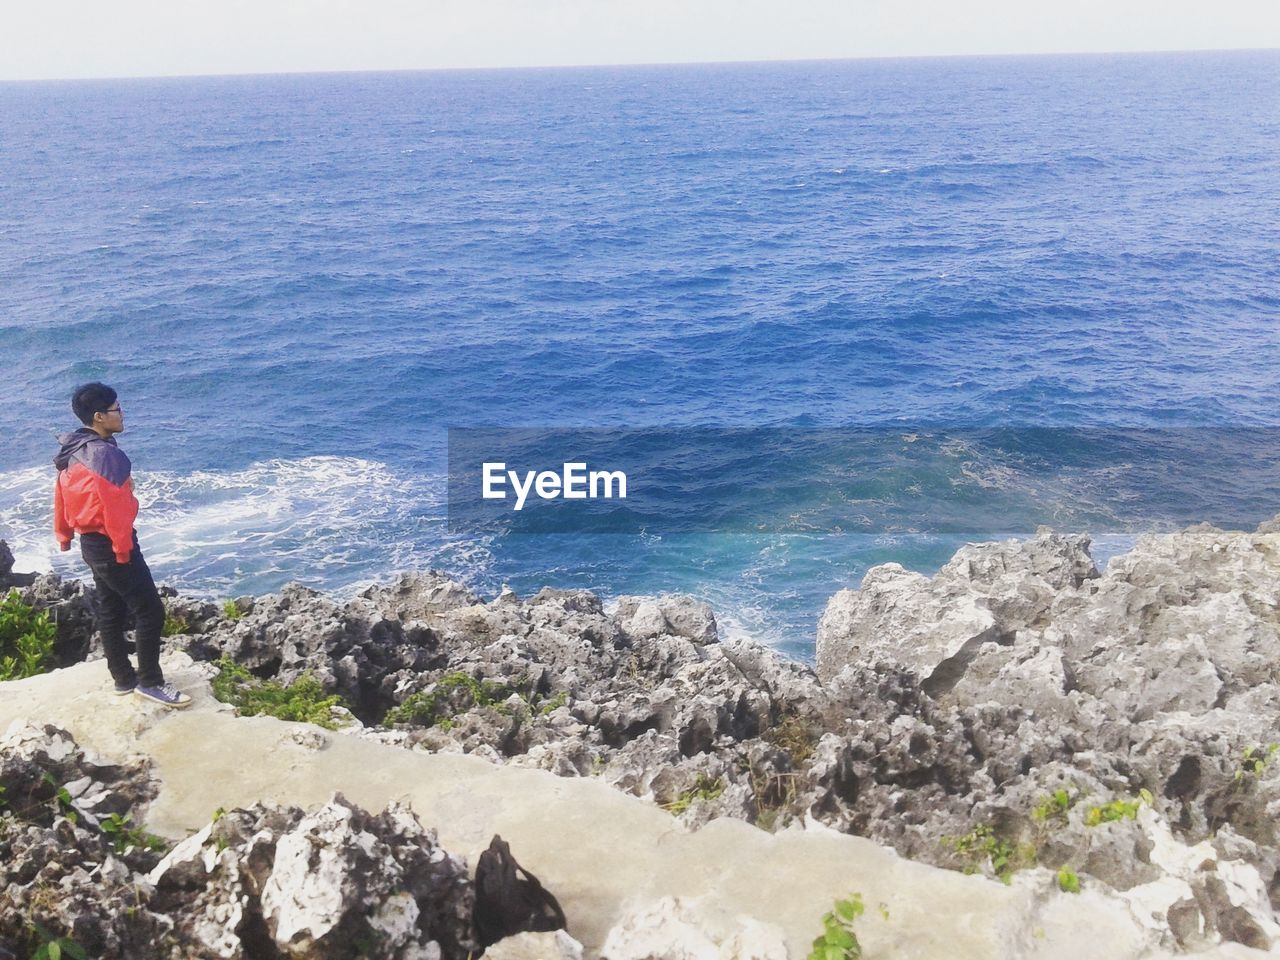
{"points": [[339, 523], [333, 522]]}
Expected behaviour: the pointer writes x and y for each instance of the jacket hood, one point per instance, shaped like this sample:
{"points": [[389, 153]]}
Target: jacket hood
{"points": [[74, 442]]}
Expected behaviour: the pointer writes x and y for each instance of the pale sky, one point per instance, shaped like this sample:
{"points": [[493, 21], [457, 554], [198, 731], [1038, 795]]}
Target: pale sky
{"points": [[130, 38]]}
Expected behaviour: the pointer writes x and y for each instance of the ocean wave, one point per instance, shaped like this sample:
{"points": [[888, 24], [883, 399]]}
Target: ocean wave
{"points": [[807, 244], [331, 522]]}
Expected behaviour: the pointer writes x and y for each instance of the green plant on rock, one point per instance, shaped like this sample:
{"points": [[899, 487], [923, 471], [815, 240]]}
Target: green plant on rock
{"points": [[702, 789], [549, 706], [1255, 760], [303, 700], [121, 835], [1115, 810], [452, 694], [175, 624], [1053, 807], [231, 610], [52, 947], [982, 846], [1068, 881], [838, 940], [26, 639], [61, 797]]}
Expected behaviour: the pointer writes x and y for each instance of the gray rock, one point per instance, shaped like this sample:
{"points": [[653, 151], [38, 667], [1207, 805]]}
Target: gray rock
{"points": [[935, 627], [950, 707], [58, 866], [316, 885], [263, 881], [421, 597], [644, 618]]}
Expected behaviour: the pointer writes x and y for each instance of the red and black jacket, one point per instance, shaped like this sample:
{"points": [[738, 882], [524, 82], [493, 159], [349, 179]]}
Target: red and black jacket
{"points": [[94, 492]]}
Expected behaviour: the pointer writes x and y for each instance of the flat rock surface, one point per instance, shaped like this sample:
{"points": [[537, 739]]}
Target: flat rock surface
{"points": [[605, 855]]}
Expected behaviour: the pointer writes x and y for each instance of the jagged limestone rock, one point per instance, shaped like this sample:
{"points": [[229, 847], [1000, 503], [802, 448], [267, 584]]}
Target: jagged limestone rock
{"points": [[936, 626], [317, 884], [679, 615], [326, 884], [421, 597], [973, 695]]}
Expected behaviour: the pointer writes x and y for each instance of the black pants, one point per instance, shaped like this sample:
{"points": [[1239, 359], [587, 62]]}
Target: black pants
{"points": [[126, 590]]}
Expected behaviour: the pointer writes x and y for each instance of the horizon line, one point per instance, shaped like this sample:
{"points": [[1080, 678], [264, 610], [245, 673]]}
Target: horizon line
{"points": [[639, 63]]}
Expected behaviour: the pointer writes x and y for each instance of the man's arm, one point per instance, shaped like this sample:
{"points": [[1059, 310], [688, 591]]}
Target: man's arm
{"points": [[61, 528], [119, 510]]}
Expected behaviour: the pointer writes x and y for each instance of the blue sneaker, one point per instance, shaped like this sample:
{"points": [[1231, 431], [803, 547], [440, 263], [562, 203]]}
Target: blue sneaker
{"points": [[169, 695], [125, 688]]}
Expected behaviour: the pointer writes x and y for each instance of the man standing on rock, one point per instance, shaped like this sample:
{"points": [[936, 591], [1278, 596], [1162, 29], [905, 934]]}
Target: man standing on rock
{"points": [[94, 498]]}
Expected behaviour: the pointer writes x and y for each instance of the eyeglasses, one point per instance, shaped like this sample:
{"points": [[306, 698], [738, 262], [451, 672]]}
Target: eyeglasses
{"points": [[116, 409]]}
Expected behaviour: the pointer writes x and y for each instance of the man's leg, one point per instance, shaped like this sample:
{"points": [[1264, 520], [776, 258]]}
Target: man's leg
{"points": [[143, 601], [111, 615]]}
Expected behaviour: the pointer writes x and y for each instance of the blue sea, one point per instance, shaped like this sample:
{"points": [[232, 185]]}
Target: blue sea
{"points": [[299, 283]]}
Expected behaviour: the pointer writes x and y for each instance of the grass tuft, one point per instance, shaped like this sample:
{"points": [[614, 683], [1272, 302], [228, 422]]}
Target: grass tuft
{"points": [[1068, 881], [303, 700], [982, 846], [175, 625], [703, 789]]}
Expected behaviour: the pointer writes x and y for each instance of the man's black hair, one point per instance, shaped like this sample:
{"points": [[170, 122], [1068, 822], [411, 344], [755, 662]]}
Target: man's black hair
{"points": [[91, 398]]}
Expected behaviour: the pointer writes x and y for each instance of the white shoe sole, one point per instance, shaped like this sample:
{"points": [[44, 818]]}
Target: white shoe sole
{"points": [[180, 705]]}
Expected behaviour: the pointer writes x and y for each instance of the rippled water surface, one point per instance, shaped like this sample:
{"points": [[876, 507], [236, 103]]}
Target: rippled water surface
{"points": [[298, 283]]}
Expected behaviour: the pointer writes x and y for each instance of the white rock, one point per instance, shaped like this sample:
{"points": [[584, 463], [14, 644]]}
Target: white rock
{"points": [[556, 945], [1223, 886], [188, 851], [303, 899], [647, 620]]}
